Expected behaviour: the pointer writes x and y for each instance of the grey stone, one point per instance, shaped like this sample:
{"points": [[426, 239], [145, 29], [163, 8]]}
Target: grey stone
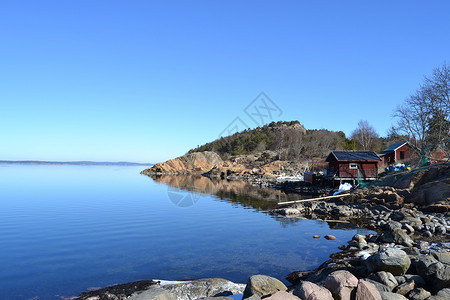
{"points": [[379, 286], [204, 288], [392, 260], [405, 288], [442, 278], [154, 293], [262, 285], [442, 256], [385, 278], [398, 236], [418, 280], [392, 296], [444, 293], [419, 294], [400, 279]]}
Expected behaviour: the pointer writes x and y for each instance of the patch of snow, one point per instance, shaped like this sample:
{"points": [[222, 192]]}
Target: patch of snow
{"points": [[364, 255], [343, 187], [166, 282]]}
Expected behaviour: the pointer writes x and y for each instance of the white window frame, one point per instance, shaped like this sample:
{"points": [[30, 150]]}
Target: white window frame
{"points": [[353, 166]]}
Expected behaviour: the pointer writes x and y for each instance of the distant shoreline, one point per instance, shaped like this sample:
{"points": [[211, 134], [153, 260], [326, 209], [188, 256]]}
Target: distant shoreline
{"points": [[77, 163]]}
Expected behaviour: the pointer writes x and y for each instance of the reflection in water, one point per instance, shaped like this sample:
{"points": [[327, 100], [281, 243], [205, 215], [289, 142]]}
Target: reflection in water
{"points": [[235, 191], [240, 192]]}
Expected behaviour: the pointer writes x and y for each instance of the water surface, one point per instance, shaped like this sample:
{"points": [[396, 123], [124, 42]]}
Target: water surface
{"points": [[64, 229]]}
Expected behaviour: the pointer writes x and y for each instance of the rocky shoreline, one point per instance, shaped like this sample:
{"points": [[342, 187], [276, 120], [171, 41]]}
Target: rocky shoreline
{"points": [[407, 258]]}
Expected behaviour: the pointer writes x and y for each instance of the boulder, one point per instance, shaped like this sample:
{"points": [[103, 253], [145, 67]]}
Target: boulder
{"points": [[422, 264], [442, 278], [444, 293], [405, 288], [282, 295], [367, 291], [398, 236], [380, 287], [204, 288], [156, 293], [385, 278], [341, 284], [391, 260], [262, 285], [442, 256], [310, 291], [419, 294], [392, 296]]}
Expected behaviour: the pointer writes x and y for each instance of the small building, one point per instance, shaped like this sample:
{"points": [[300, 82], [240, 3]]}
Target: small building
{"points": [[352, 165], [397, 153]]}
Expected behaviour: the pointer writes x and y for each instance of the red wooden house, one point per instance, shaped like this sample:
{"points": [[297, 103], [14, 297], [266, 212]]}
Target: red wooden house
{"points": [[352, 165], [397, 153]]}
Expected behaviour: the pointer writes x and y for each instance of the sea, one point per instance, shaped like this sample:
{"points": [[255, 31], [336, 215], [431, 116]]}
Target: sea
{"points": [[67, 229]]}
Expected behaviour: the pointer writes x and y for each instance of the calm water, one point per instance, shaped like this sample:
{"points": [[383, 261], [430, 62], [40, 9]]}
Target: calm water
{"points": [[64, 229]]}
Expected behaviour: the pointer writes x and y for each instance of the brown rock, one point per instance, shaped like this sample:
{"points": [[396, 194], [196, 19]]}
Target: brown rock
{"points": [[281, 295], [367, 291], [310, 291], [316, 236], [191, 163], [330, 237], [341, 284]]}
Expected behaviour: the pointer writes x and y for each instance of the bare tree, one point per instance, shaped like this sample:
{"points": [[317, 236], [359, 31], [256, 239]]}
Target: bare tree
{"points": [[365, 135], [424, 116]]}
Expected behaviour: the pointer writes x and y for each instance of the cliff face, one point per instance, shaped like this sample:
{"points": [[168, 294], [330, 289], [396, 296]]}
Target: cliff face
{"points": [[192, 163]]}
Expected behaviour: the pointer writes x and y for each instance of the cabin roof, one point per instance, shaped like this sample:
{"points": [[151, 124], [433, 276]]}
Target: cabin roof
{"points": [[354, 156], [394, 147]]}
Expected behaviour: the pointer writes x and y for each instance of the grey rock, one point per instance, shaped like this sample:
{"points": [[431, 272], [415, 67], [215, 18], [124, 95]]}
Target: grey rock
{"points": [[427, 233], [392, 225], [400, 279], [444, 293], [442, 278], [419, 294], [204, 288], [422, 263], [418, 280], [442, 256], [392, 260], [385, 278], [379, 286], [392, 296], [154, 293], [405, 288], [398, 236], [262, 285]]}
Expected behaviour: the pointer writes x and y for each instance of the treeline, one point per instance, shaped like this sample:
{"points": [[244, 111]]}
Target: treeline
{"points": [[289, 140]]}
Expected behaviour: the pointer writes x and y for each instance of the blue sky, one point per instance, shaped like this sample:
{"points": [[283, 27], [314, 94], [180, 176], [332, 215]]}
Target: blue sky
{"points": [[146, 81]]}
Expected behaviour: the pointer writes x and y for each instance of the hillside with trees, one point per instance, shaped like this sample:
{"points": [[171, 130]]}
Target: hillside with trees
{"points": [[289, 140]]}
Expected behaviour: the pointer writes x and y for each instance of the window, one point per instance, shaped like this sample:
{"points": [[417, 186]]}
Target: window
{"points": [[353, 166], [402, 155]]}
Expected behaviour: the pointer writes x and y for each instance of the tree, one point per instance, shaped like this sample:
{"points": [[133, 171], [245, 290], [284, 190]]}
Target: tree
{"points": [[365, 135], [424, 116]]}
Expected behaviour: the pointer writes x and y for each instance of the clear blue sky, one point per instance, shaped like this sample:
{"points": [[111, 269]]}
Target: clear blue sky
{"points": [[146, 81]]}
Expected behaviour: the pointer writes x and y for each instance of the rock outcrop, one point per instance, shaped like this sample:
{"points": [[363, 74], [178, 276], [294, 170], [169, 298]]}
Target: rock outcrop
{"points": [[191, 163]]}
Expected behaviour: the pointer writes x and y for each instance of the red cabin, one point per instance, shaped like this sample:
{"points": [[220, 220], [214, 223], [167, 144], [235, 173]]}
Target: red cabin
{"points": [[397, 153], [352, 165]]}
